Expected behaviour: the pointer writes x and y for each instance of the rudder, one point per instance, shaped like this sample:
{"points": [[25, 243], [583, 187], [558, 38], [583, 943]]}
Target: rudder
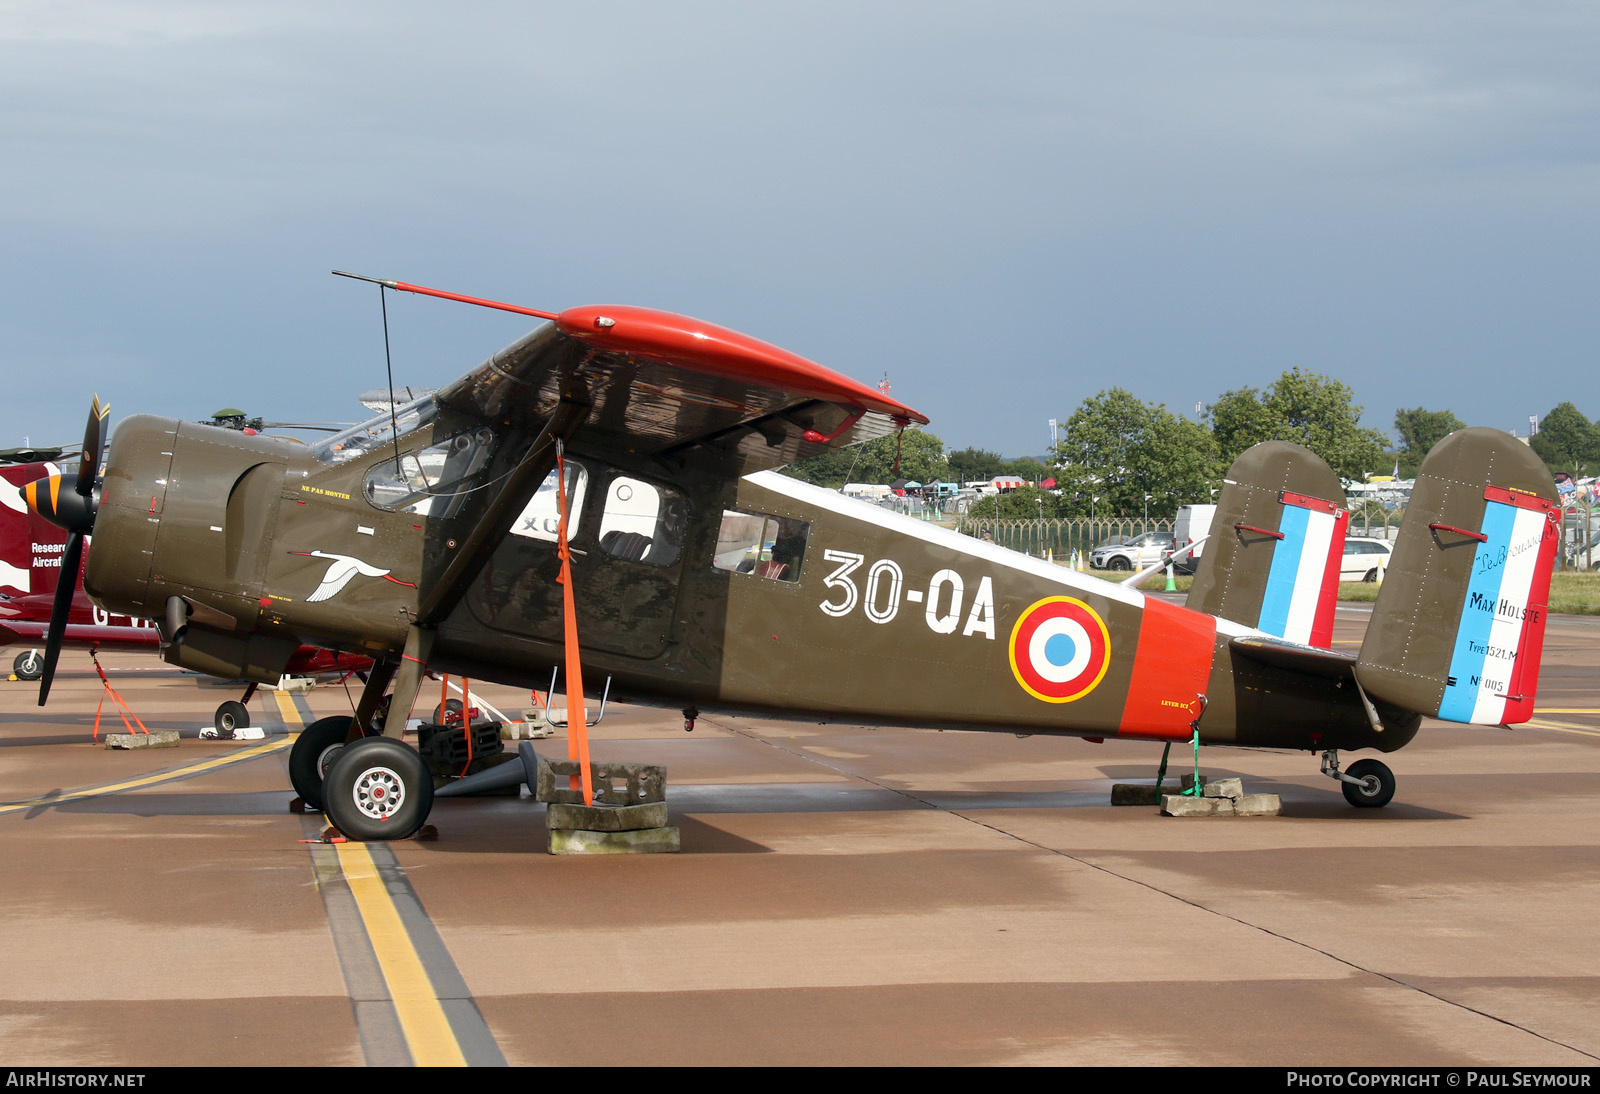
{"points": [[1272, 561], [1458, 628]]}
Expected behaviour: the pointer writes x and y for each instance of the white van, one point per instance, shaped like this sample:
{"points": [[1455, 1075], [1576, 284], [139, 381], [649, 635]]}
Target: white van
{"points": [[1194, 522]]}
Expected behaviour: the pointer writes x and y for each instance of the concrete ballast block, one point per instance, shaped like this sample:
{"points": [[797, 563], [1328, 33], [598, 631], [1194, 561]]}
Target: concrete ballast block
{"points": [[606, 818], [1258, 805], [162, 738], [1181, 805], [1225, 788], [614, 783], [1134, 794], [643, 841]]}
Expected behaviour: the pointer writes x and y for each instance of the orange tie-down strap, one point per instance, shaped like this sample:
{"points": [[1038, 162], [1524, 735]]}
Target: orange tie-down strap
{"points": [[121, 706], [577, 717]]}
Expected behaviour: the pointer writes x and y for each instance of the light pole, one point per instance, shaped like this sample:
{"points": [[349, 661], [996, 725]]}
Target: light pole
{"points": [[1147, 498]]}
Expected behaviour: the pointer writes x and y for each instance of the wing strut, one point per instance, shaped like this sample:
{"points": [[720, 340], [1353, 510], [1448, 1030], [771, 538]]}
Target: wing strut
{"points": [[577, 716]]}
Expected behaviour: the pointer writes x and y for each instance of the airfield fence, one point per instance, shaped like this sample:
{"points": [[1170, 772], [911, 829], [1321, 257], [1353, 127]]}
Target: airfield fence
{"points": [[1058, 536]]}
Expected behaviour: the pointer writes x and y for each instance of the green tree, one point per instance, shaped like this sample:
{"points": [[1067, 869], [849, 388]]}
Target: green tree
{"points": [[1026, 467], [921, 460], [1419, 430], [1304, 407], [1119, 448], [1023, 503], [974, 464], [1567, 441]]}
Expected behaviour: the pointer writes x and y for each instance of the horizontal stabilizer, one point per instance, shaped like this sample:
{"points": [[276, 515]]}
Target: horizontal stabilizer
{"points": [[1272, 561], [1458, 628], [1285, 655]]}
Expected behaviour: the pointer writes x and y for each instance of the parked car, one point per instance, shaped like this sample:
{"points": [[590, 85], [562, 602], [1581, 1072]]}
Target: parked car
{"points": [[1362, 557], [1134, 553]]}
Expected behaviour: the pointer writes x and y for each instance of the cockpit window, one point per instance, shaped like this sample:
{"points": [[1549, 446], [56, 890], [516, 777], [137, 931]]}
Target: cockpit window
{"points": [[770, 547], [433, 481]]}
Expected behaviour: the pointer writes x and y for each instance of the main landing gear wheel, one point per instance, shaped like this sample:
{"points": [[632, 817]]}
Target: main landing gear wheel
{"points": [[378, 789], [443, 712], [313, 754], [28, 665], [1374, 790], [232, 715]]}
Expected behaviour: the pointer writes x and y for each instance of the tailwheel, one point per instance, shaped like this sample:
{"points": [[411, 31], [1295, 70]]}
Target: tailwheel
{"points": [[378, 789], [313, 754], [28, 665], [231, 715], [1373, 786]]}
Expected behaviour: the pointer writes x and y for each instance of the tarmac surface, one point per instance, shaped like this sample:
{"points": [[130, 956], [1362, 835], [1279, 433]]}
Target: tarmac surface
{"points": [[844, 896]]}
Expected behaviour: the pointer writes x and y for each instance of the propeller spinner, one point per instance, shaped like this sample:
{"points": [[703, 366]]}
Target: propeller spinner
{"points": [[71, 509]]}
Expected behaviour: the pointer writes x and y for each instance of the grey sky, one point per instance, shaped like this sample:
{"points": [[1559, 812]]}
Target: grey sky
{"points": [[1008, 207]]}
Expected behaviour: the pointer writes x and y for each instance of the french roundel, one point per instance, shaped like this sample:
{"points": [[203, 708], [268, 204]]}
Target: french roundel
{"points": [[1060, 649]]}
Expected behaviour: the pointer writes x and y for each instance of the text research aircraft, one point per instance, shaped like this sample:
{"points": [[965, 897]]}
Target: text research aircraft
{"points": [[435, 538], [31, 555]]}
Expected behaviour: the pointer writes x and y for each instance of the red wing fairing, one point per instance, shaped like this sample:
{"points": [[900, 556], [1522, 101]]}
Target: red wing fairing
{"points": [[659, 381]]}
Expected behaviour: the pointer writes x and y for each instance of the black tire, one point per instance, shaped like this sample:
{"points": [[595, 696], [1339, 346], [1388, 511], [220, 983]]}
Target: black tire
{"points": [[378, 789], [231, 715], [28, 665], [313, 754], [450, 706], [1376, 787], [1371, 578], [1119, 562]]}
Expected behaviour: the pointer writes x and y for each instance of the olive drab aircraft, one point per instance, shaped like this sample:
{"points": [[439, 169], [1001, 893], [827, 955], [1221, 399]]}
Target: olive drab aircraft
{"points": [[31, 554], [434, 538]]}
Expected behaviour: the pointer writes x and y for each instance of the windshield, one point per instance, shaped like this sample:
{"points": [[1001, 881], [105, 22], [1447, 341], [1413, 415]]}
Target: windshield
{"points": [[375, 432]]}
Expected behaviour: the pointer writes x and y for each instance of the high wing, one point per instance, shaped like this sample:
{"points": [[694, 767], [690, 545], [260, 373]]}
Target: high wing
{"points": [[656, 382]]}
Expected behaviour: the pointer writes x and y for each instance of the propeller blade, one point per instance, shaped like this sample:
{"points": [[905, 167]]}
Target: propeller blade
{"points": [[66, 582], [94, 436]]}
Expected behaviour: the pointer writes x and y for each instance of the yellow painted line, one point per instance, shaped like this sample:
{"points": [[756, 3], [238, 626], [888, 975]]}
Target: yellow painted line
{"points": [[291, 716], [422, 1019], [1561, 727], [151, 780]]}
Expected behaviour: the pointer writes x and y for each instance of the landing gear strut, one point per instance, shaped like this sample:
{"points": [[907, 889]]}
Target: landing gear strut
{"points": [[1368, 784]]}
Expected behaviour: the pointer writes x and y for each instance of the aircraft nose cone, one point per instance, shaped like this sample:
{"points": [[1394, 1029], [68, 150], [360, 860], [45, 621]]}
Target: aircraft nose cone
{"points": [[61, 504]]}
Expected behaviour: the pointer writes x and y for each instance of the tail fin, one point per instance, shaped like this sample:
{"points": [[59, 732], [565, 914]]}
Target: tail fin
{"points": [[1459, 624], [1272, 561]]}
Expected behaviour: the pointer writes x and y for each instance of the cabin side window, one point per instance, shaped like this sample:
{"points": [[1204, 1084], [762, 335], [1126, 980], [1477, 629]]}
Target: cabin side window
{"points": [[541, 517], [643, 522], [770, 547]]}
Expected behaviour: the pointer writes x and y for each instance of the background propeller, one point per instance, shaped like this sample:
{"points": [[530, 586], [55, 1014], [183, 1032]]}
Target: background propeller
{"points": [[72, 510]]}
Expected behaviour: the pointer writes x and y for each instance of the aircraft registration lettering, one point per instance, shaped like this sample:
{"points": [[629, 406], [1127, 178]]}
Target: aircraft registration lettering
{"points": [[103, 618], [885, 588]]}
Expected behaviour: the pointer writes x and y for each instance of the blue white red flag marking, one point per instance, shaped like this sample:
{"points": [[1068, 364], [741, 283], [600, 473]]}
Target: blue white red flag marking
{"points": [[1303, 581], [1494, 668], [1060, 649]]}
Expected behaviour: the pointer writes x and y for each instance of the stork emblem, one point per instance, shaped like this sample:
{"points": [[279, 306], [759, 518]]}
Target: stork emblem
{"points": [[344, 568]]}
